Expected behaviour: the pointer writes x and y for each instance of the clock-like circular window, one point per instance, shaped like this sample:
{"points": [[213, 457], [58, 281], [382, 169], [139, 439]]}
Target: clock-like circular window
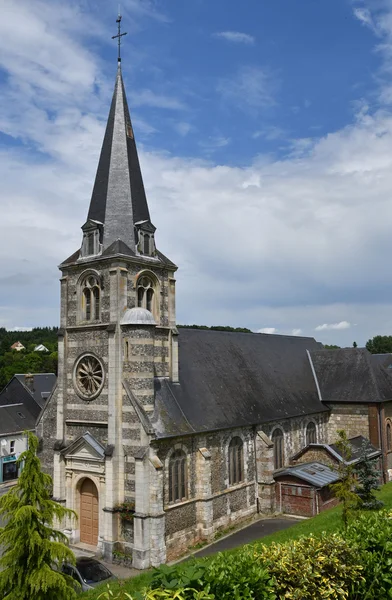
{"points": [[89, 376]]}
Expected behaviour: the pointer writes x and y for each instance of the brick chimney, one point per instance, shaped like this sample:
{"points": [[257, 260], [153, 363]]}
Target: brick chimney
{"points": [[29, 382]]}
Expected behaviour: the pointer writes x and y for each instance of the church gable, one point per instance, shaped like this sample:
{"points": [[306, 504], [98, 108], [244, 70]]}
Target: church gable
{"points": [[85, 448]]}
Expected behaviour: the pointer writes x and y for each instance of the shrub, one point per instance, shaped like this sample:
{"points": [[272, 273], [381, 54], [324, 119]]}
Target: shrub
{"points": [[237, 576], [224, 577], [324, 567], [371, 535]]}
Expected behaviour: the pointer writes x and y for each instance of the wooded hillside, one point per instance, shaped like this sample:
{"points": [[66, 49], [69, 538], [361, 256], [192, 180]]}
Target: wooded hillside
{"points": [[27, 361]]}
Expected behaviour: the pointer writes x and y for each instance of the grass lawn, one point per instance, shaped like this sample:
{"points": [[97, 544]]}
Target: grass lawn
{"points": [[328, 521]]}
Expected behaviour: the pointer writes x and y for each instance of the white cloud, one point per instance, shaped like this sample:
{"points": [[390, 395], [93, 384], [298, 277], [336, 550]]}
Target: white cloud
{"points": [[270, 133], [296, 331], [267, 330], [283, 241], [148, 97], [251, 88], [236, 36], [183, 128], [340, 325], [214, 142]]}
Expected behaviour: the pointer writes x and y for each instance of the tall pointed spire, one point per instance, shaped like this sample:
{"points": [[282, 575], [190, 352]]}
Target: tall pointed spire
{"points": [[119, 200]]}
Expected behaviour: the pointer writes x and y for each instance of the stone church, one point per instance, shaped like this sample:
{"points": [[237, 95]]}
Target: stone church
{"points": [[186, 427]]}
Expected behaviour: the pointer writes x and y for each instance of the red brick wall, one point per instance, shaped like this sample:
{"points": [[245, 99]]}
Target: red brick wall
{"points": [[296, 498]]}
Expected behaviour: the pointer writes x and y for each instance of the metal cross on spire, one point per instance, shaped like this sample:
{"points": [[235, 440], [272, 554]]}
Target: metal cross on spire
{"points": [[119, 35]]}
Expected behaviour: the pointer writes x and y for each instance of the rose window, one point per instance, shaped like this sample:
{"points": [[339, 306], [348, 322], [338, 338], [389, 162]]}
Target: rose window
{"points": [[89, 377]]}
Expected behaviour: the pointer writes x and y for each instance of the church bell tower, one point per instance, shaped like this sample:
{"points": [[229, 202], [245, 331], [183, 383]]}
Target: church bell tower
{"points": [[117, 338]]}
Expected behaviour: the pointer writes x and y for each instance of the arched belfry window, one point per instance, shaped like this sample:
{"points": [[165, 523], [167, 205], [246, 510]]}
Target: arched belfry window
{"points": [[236, 461], [311, 434], [91, 298], [389, 437], [145, 293], [278, 441], [178, 476]]}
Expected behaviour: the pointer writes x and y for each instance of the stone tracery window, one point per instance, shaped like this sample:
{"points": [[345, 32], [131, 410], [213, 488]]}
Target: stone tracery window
{"points": [[278, 441], [145, 293], [88, 376], [91, 298], [311, 434], [178, 476], [236, 461]]}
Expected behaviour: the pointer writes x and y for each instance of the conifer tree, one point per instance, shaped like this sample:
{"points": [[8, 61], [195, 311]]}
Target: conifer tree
{"points": [[32, 547], [345, 486], [368, 476]]}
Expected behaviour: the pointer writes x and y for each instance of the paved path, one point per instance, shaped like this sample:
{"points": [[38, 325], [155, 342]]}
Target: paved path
{"points": [[253, 532]]}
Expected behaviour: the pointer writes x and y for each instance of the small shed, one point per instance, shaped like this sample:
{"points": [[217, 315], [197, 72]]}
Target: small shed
{"points": [[303, 489]]}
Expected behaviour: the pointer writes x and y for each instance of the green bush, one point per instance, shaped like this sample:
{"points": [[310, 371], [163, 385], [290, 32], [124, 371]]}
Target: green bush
{"points": [[158, 594], [226, 577], [178, 576], [239, 577], [324, 567], [371, 535]]}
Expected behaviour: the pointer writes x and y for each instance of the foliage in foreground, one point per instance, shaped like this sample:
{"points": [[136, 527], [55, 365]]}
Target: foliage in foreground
{"points": [[344, 488], [325, 567], [354, 565], [368, 476], [31, 544]]}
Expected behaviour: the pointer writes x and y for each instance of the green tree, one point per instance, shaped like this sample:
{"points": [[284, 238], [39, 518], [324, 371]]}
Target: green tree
{"points": [[331, 347], [345, 486], [355, 345], [380, 344], [32, 548], [368, 475]]}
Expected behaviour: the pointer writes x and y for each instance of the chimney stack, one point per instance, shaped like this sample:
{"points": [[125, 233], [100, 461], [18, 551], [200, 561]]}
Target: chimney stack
{"points": [[29, 382]]}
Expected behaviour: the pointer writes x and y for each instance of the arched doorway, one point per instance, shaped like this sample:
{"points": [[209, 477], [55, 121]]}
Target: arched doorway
{"points": [[89, 513]]}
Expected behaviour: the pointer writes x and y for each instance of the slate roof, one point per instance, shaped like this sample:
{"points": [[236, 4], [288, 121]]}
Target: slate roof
{"points": [[352, 375], [43, 384], [314, 473], [119, 199], [18, 409], [356, 445], [230, 379], [356, 450]]}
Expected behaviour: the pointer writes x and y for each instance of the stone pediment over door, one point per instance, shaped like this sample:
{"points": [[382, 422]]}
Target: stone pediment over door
{"points": [[85, 454]]}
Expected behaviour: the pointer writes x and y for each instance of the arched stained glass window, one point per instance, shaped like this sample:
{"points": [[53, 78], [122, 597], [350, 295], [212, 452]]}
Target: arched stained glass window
{"points": [[178, 476], [311, 433], [236, 461], [278, 441], [389, 437]]}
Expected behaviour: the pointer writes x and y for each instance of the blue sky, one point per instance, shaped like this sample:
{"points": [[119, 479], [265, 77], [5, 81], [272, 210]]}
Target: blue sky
{"points": [[265, 138]]}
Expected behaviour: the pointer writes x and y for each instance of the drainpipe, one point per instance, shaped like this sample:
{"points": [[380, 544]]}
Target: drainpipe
{"points": [[381, 419], [256, 471], [280, 497]]}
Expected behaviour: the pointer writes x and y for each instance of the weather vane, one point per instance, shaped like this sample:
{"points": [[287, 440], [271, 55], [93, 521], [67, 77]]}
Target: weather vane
{"points": [[119, 35]]}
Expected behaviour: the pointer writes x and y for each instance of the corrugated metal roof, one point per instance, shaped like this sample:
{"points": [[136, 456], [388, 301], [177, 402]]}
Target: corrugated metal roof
{"points": [[314, 473]]}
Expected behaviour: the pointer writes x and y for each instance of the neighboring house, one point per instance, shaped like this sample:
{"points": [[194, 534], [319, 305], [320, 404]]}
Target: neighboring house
{"points": [[41, 348], [188, 426], [18, 346], [304, 489], [21, 402]]}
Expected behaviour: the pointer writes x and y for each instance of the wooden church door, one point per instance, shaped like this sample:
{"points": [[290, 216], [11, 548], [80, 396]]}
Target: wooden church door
{"points": [[89, 513]]}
